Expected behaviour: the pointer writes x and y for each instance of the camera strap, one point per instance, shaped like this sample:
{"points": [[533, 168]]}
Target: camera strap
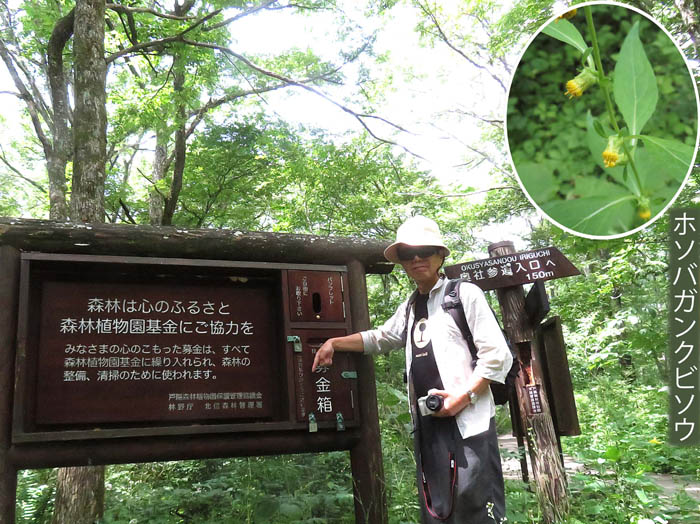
{"points": [[437, 497]]}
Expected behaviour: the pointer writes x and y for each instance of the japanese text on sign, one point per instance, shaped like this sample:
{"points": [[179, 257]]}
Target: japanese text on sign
{"points": [[145, 341], [683, 355]]}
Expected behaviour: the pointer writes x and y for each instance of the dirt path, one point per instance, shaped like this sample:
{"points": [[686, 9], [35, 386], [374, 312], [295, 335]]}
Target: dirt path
{"points": [[669, 484]]}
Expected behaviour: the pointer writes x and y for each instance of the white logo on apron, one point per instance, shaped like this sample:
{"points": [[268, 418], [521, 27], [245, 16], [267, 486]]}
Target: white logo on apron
{"points": [[421, 333]]}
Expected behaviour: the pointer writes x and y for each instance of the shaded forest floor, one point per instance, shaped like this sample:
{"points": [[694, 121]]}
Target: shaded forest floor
{"points": [[670, 485]]}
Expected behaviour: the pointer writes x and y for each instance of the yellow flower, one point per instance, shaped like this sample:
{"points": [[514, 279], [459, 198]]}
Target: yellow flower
{"points": [[568, 15], [643, 213], [581, 82], [612, 156], [655, 441]]}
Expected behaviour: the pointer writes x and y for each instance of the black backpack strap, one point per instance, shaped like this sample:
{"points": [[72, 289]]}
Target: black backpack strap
{"points": [[452, 304], [404, 335], [411, 300]]}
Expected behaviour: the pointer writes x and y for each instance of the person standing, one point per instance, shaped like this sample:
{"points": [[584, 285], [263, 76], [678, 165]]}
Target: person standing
{"points": [[458, 465]]}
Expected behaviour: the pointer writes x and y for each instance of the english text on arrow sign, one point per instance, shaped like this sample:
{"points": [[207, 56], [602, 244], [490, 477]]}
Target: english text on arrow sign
{"points": [[514, 269]]}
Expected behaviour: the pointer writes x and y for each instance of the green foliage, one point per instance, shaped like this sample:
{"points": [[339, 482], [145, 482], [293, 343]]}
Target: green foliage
{"points": [[35, 496], [257, 489], [584, 169]]}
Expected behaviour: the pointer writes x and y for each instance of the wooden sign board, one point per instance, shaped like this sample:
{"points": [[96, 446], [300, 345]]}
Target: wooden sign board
{"points": [[150, 346], [537, 303], [151, 352], [514, 269], [555, 367]]}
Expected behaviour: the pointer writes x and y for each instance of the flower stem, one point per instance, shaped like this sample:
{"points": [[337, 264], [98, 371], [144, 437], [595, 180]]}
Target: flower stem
{"points": [[606, 92]]}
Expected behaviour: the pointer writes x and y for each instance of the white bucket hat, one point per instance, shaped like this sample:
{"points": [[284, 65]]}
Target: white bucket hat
{"points": [[416, 231]]}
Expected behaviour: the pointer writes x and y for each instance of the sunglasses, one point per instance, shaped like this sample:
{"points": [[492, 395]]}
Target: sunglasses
{"points": [[409, 253]]}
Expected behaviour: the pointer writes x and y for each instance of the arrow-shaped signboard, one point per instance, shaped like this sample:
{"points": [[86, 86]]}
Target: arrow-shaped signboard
{"points": [[514, 269]]}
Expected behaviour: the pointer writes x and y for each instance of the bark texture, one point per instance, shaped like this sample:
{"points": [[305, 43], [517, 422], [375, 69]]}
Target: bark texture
{"points": [[80, 491], [156, 199], [129, 240], [79, 495], [59, 155], [690, 14], [90, 119]]}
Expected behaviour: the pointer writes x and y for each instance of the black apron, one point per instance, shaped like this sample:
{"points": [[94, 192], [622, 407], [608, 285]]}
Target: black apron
{"points": [[435, 441], [459, 480]]}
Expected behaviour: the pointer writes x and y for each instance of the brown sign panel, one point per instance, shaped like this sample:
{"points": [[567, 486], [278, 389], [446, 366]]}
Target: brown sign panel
{"points": [[115, 352], [316, 296], [537, 303], [515, 269], [328, 391], [555, 366]]}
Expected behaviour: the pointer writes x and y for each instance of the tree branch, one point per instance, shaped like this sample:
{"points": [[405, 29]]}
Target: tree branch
{"points": [[126, 211], [427, 12], [26, 96], [180, 37], [127, 10], [250, 11], [17, 172], [358, 116], [457, 195]]}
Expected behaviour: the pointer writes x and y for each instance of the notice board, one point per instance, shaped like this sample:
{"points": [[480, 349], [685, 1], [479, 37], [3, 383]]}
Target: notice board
{"points": [[136, 346]]}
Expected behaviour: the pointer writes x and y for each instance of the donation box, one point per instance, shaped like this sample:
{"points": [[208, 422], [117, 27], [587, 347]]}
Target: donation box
{"points": [[131, 346]]}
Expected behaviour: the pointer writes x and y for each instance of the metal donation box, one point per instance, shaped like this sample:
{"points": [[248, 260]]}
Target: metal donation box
{"points": [[127, 346]]}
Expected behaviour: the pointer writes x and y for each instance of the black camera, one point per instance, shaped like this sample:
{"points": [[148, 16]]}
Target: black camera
{"points": [[430, 404]]}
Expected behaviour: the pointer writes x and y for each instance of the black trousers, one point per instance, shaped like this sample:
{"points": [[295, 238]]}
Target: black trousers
{"points": [[479, 494]]}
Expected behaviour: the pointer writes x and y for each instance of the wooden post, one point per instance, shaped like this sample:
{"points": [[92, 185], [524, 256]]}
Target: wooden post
{"points": [[9, 285], [366, 455], [548, 472]]}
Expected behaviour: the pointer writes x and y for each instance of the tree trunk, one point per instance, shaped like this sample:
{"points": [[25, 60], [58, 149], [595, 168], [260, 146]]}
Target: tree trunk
{"points": [[80, 491], [79, 495], [180, 146], [61, 151], [690, 14], [155, 197], [90, 118]]}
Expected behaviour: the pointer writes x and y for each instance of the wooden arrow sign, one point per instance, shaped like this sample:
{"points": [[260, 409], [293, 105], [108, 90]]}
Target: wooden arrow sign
{"points": [[515, 269]]}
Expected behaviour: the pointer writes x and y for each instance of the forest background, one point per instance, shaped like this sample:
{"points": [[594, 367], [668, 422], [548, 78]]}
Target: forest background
{"points": [[340, 136]]}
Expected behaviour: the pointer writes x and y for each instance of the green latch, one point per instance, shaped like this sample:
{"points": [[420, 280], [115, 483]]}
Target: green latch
{"points": [[313, 426], [339, 422], [349, 374], [296, 341]]}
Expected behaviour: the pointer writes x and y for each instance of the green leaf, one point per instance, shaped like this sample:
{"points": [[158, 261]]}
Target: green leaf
{"points": [[641, 496], [587, 57], [655, 176], [613, 453], [538, 180], [566, 32], [599, 215], [634, 83], [599, 129], [674, 155]]}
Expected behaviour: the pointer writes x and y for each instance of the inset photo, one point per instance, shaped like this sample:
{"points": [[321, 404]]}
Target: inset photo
{"points": [[602, 122]]}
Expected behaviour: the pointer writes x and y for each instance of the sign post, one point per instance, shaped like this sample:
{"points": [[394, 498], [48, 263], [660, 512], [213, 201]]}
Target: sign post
{"points": [[506, 271], [9, 276]]}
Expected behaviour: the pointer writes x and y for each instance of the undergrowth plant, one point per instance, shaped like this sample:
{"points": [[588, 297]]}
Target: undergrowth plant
{"points": [[630, 137]]}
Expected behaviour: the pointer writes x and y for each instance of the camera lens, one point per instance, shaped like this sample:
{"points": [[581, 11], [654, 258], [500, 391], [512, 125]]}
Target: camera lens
{"points": [[433, 402]]}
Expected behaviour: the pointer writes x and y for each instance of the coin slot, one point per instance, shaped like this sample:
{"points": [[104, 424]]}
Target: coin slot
{"points": [[316, 302]]}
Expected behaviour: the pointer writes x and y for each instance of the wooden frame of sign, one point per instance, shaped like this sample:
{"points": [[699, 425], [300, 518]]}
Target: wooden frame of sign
{"points": [[84, 339]]}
